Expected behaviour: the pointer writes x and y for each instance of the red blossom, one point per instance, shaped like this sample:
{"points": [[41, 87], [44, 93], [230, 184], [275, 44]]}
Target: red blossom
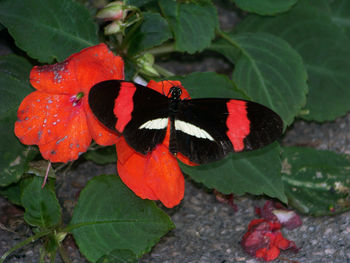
{"points": [[264, 240], [275, 211], [56, 116], [157, 175]]}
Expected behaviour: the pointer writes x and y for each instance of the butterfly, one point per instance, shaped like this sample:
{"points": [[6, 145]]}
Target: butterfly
{"points": [[203, 130]]}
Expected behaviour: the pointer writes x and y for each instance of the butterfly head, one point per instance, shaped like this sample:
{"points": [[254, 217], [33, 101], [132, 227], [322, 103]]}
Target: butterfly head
{"points": [[175, 93]]}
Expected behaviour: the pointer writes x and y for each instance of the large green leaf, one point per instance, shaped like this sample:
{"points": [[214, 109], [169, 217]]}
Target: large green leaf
{"points": [[256, 172], [102, 155], [41, 205], [340, 14], [266, 7], [48, 29], [153, 31], [316, 182], [268, 70], [119, 256], [114, 218], [14, 86], [209, 84], [325, 51], [193, 25]]}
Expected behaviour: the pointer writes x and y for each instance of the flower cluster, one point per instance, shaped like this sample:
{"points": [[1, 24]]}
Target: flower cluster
{"points": [[264, 239], [58, 119]]}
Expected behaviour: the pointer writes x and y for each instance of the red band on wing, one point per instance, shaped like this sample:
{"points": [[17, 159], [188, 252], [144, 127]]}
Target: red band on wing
{"points": [[237, 123], [124, 105]]}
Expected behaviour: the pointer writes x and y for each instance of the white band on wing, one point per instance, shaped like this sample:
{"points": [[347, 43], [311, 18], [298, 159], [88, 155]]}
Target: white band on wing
{"points": [[156, 124], [192, 130]]}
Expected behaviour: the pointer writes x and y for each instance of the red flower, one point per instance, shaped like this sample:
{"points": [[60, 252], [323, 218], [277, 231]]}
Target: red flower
{"points": [[264, 240], [275, 211], [157, 175], [56, 116]]}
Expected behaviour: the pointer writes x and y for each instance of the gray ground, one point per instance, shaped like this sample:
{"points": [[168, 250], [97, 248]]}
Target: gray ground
{"points": [[206, 230]]}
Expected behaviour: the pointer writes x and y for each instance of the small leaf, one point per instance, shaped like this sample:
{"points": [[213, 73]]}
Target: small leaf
{"points": [[268, 70], [266, 7], [316, 182], [48, 29], [41, 205], [119, 256], [209, 84], [103, 155], [14, 86], [153, 31], [325, 51], [12, 193], [256, 172], [111, 215], [193, 25]]}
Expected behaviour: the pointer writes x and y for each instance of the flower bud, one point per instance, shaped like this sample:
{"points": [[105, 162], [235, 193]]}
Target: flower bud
{"points": [[145, 63], [114, 28], [112, 11]]}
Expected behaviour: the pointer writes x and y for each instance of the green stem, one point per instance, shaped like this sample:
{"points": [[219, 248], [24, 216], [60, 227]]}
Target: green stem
{"points": [[23, 243], [226, 37], [162, 71], [164, 49]]}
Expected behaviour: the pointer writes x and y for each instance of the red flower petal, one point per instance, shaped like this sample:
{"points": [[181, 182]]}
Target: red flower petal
{"points": [[164, 86], [57, 117], [264, 240], [100, 134], [79, 72], [154, 176], [277, 212], [53, 123]]}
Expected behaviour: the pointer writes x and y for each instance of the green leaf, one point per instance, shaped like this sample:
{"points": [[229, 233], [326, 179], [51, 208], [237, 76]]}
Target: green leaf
{"points": [[103, 155], [14, 86], [209, 84], [340, 14], [266, 7], [256, 172], [119, 256], [268, 70], [316, 182], [193, 25], [12, 193], [325, 51], [153, 31], [48, 29], [139, 3], [41, 205], [114, 218]]}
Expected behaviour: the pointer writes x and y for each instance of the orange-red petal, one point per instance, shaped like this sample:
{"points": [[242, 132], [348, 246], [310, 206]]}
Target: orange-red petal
{"points": [[154, 176], [164, 86], [79, 72], [55, 124], [100, 134]]}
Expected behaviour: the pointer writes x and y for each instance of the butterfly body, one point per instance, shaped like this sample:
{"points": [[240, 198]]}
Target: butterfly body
{"points": [[203, 130]]}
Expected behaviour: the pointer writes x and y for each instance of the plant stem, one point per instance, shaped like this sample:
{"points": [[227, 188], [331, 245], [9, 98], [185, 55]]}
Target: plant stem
{"points": [[162, 71], [164, 49], [23, 243], [226, 37]]}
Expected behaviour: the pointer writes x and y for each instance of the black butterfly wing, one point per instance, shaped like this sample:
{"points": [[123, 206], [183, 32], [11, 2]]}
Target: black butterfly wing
{"points": [[139, 113], [206, 130]]}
